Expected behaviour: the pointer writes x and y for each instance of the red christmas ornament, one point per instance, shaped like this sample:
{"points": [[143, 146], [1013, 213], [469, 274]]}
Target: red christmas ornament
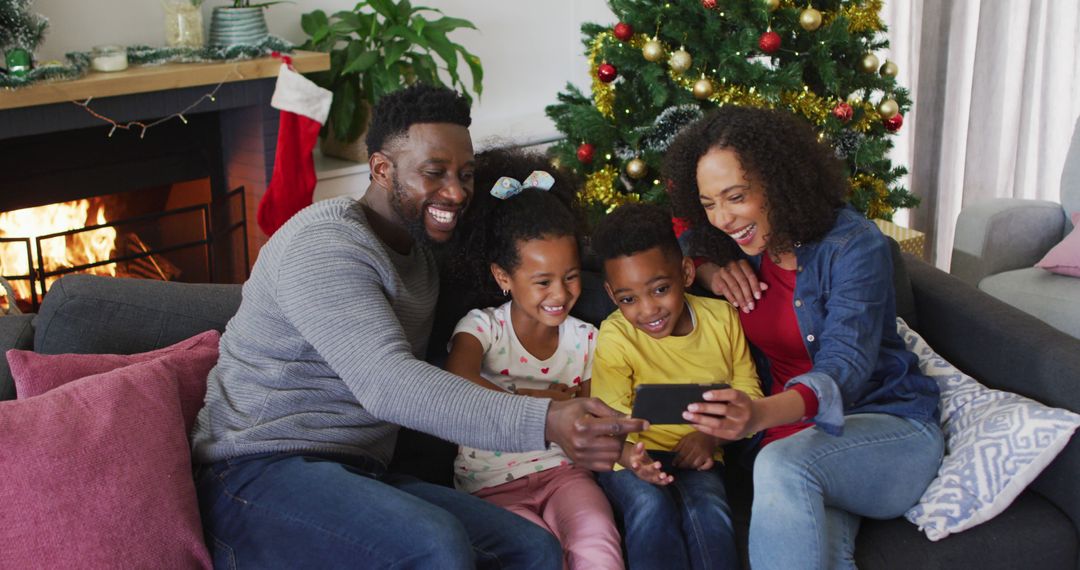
{"points": [[893, 124], [606, 72], [708, 4], [623, 31], [769, 42], [843, 111], [585, 153]]}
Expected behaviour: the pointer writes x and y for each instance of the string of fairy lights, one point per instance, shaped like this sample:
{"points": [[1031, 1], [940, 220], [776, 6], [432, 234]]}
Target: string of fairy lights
{"points": [[145, 126]]}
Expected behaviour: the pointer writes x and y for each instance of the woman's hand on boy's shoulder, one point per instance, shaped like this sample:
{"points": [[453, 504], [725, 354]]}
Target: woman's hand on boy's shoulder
{"points": [[737, 282]]}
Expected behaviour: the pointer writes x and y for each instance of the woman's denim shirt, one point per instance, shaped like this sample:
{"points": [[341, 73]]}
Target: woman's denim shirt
{"points": [[845, 305]]}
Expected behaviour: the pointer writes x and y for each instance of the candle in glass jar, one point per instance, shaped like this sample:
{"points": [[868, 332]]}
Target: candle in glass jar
{"points": [[108, 58]]}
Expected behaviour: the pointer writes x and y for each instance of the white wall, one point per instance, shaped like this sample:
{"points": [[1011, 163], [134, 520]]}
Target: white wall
{"points": [[529, 48]]}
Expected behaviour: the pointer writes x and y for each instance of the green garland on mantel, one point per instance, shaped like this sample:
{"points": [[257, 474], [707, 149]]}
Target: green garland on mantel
{"points": [[79, 61]]}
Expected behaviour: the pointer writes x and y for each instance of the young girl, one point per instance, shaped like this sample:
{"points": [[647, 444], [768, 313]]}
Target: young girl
{"points": [[523, 239]]}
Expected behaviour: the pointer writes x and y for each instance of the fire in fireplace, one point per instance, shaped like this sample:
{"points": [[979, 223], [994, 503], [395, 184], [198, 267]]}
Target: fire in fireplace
{"points": [[165, 233], [22, 228]]}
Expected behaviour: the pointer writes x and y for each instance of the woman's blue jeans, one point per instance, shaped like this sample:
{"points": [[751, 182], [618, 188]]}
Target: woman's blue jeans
{"points": [[685, 524], [300, 511], [810, 489]]}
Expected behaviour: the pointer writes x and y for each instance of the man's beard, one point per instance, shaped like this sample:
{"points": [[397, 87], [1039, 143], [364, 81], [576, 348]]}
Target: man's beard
{"points": [[413, 217]]}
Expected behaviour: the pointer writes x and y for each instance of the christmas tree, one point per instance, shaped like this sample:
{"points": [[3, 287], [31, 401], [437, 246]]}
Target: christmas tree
{"points": [[19, 27], [665, 63]]}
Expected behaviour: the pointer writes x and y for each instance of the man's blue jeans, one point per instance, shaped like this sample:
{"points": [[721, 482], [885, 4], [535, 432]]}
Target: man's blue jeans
{"points": [[300, 511], [685, 524], [810, 489]]}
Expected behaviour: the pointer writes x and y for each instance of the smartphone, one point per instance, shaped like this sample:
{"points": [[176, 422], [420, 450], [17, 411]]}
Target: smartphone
{"points": [[665, 403]]}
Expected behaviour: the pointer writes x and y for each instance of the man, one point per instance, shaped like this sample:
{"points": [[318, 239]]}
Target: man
{"points": [[320, 366]]}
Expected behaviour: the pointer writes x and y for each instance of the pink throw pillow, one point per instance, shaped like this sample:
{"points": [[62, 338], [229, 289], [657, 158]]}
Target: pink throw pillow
{"points": [[1064, 258], [97, 474], [189, 361]]}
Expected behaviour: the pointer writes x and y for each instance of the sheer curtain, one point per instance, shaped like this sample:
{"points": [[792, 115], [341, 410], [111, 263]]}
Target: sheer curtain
{"points": [[996, 86]]}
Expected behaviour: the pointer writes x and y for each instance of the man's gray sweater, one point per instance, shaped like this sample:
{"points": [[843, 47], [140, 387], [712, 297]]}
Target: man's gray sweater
{"points": [[324, 354]]}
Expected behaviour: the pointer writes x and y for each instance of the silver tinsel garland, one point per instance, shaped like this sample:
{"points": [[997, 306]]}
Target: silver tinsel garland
{"points": [[78, 62]]}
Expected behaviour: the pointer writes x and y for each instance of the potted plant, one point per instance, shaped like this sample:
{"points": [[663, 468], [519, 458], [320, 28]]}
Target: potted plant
{"points": [[243, 23], [378, 47], [20, 33]]}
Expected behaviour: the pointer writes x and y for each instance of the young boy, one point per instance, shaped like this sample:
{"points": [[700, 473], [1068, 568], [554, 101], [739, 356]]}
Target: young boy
{"points": [[668, 487]]}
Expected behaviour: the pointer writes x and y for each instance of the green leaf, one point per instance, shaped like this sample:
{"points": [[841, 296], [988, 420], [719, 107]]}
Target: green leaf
{"points": [[404, 32], [447, 24], [445, 49], [425, 68], [385, 8], [352, 21], [343, 109], [361, 62], [404, 10], [475, 69], [314, 22], [394, 52]]}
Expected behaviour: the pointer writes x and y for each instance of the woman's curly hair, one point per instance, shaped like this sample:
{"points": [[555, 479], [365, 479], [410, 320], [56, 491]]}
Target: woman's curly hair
{"points": [[491, 227], [804, 182]]}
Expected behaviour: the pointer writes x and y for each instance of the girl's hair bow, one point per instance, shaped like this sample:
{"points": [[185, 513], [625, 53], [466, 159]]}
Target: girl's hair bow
{"points": [[507, 187]]}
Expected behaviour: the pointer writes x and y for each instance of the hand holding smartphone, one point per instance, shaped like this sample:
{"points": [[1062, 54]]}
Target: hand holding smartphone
{"points": [[665, 403]]}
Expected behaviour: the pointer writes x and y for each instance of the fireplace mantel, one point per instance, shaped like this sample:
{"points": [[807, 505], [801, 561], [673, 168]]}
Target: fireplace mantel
{"points": [[146, 78], [53, 150]]}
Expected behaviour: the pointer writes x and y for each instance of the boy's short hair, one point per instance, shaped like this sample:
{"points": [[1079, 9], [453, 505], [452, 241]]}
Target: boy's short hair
{"points": [[634, 228], [418, 103]]}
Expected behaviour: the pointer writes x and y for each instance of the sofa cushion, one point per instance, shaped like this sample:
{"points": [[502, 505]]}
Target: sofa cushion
{"points": [[97, 474], [16, 331], [188, 361], [997, 443], [91, 314], [1064, 258], [1055, 299], [1031, 533], [1006, 349]]}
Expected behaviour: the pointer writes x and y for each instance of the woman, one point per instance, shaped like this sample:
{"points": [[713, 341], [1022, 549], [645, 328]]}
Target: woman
{"points": [[850, 426]]}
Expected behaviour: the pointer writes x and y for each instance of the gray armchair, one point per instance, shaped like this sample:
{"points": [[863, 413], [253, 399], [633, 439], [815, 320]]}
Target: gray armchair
{"points": [[997, 242]]}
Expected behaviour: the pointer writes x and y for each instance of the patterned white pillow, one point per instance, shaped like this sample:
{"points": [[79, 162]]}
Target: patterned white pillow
{"points": [[996, 444]]}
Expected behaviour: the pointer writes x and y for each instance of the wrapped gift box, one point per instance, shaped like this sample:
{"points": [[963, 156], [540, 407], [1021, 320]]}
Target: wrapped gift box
{"points": [[911, 241]]}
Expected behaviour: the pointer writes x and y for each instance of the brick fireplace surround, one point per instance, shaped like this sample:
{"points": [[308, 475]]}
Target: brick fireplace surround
{"points": [[52, 150]]}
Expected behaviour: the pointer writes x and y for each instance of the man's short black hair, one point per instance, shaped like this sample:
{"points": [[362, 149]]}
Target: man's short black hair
{"points": [[634, 228], [418, 103]]}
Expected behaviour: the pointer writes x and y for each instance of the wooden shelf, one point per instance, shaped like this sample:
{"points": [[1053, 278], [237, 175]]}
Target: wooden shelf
{"points": [[146, 78]]}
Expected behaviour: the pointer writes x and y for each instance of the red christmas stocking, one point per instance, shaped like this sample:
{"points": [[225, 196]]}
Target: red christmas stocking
{"points": [[304, 107]]}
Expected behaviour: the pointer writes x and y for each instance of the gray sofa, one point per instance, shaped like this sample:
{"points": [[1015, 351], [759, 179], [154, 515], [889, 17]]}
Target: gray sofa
{"points": [[994, 342], [998, 241]]}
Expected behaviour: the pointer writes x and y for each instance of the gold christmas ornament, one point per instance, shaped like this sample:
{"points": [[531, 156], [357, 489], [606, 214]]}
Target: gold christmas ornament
{"points": [[889, 69], [888, 109], [703, 88], [869, 63], [680, 61], [810, 19], [653, 50], [772, 5], [636, 168]]}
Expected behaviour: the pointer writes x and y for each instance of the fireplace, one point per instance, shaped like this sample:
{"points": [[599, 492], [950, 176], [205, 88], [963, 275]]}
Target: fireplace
{"points": [[173, 203], [166, 233]]}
